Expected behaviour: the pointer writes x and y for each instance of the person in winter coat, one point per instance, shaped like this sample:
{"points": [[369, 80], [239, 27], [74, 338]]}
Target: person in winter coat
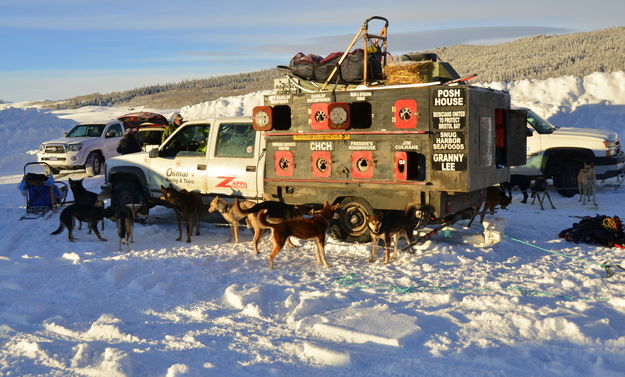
{"points": [[171, 127], [129, 143]]}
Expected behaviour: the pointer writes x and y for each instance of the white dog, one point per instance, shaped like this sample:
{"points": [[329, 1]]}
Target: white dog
{"points": [[586, 182]]}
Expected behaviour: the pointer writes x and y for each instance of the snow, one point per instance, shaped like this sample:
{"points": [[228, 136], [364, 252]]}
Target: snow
{"points": [[509, 298]]}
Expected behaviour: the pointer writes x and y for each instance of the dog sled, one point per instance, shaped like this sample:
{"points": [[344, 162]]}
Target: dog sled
{"points": [[43, 194]]}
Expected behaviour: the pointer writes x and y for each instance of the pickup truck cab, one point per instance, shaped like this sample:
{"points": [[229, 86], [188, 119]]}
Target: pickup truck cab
{"points": [[212, 156], [559, 153]]}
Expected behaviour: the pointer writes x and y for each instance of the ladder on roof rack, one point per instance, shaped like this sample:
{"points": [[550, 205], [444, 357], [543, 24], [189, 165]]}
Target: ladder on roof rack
{"points": [[371, 45]]}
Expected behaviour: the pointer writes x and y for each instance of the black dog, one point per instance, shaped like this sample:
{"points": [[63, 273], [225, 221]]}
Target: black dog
{"points": [[81, 194], [522, 181], [82, 212], [539, 190]]}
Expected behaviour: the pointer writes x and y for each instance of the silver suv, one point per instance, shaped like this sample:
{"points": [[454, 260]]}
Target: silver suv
{"points": [[86, 146]]}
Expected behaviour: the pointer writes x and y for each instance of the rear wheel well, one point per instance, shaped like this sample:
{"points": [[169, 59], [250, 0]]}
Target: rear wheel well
{"points": [[555, 159], [126, 182]]}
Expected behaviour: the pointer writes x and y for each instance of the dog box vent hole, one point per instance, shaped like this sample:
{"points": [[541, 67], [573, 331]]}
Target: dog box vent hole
{"points": [[281, 117]]}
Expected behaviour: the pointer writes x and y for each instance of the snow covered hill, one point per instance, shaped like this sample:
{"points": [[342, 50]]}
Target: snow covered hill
{"points": [[519, 301]]}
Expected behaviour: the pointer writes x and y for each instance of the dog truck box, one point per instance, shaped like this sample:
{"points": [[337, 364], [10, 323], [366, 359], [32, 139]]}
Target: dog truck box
{"points": [[560, 152], [379, 148]]}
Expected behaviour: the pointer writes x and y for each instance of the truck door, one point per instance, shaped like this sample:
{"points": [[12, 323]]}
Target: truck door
{"points": [[534, 148], [112, 135], [234, 166], [182, 160]]}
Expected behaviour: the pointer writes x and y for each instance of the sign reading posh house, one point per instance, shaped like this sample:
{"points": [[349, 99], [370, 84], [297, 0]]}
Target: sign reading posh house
{"points": [[449, 119]]}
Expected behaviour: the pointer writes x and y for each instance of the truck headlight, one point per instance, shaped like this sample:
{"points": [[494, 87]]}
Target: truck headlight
{"points": [[612, 148], [74, 147]]}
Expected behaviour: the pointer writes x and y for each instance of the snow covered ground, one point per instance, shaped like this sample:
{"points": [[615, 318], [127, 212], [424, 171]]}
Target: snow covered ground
{"points": [[521, 302]]}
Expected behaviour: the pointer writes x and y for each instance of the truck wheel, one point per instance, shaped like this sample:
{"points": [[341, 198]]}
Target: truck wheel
{"points": [[126, 193], [565, 178], [351, 225], [93, 165]]}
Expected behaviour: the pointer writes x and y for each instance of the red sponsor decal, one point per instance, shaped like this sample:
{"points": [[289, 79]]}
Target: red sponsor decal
{"points": [[225, 182], [229, 182]]}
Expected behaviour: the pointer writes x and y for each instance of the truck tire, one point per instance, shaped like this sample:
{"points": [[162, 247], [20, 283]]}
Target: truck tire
{"points": [[126, 193], [93, 165], [565, 178], [351, 225]]}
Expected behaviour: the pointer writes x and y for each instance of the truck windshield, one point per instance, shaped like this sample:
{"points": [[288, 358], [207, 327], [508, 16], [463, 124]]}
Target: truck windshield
{"points": [[86, 130], [542, 126]]}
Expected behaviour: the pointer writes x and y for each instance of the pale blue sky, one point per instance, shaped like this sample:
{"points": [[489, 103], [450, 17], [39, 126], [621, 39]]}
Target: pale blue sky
{"points": [[63, 48]]}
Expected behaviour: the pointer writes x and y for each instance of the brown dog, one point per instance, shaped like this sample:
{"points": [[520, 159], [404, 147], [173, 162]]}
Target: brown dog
{"points": [[314, 227], [495, 196], [276, 213], [227, 211], [188, 205], [587, 183]]}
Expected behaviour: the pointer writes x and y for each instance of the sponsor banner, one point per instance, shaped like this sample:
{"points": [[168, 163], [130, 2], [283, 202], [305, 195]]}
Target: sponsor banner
{"points": [[322, 137], [449, 119], [448, 141], [449, 161], [448, 97]]}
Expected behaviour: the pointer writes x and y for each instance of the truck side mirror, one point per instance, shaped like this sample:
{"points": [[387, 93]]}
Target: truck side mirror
{"points": [[529, 132], [110, 134], [153, 153]]}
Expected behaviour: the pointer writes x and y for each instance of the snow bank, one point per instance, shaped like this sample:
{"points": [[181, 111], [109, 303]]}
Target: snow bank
{"points": [[22, 131], [595, 101]]}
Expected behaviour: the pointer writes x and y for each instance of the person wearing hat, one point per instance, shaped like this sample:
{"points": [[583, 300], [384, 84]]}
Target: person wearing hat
{"points": [[171, 127]]}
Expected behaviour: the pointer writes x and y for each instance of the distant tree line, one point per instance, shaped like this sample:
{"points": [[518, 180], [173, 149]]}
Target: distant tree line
{"points": [[176, 95], [538, 57], [541, 56]]}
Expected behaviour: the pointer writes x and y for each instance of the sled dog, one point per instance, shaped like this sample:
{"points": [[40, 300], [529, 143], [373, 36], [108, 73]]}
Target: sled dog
{"points": [[302, 228], [82, 212], [187, 205]]}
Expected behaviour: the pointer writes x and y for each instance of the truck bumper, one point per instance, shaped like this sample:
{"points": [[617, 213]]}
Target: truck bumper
{"points": [[67, 160], [608, 167]]}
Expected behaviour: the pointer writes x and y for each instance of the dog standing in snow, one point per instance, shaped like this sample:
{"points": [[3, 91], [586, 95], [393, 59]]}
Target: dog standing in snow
{"points": [[586, 183]]}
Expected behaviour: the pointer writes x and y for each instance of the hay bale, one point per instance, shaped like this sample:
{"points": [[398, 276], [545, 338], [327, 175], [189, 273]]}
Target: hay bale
{"points": [[408, 73]]}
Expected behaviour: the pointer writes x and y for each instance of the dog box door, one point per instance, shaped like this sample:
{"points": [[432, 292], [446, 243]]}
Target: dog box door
{"points": [[405, 113], [516, 135], [321, 164], [362, 164], [284, 164], [329, 116], [401, 166]]}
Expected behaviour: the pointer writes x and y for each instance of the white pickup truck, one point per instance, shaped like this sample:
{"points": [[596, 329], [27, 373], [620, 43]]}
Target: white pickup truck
{"points": [[231, 163], [86, 146], [559, 152]]}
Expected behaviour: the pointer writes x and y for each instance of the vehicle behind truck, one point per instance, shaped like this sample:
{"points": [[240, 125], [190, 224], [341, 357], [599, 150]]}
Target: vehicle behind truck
{"points": [[560, 152]]}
